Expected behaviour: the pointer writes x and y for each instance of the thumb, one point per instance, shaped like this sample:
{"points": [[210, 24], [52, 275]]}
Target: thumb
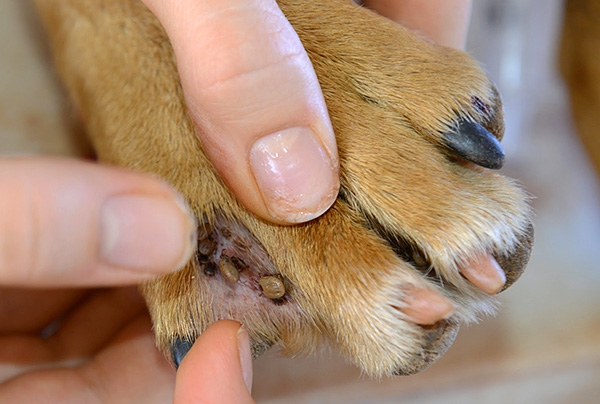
{"points": [[256, 101], [218, 368]]}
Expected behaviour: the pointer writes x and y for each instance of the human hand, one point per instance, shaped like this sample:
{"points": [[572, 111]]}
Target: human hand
{"points": [[67, 223], [103, 351], [71, 223]]}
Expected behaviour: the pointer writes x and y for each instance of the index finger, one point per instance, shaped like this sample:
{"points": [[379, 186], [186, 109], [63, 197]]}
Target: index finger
{"points": [[444, 21]]}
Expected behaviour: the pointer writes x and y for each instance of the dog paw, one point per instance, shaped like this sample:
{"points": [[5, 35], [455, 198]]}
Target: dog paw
{"points": [[423, 234]]}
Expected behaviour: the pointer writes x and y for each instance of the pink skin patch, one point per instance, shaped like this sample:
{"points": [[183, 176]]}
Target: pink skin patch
{"points": [[426, 307], [484, 272]]}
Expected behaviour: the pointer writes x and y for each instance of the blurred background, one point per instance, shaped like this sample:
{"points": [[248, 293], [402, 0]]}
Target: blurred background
{"points": [[544, 346]]}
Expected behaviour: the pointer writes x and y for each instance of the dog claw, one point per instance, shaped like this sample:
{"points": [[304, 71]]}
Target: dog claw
{"points": [[179, 348], [476, 144], [437, 339], [515, 262]]}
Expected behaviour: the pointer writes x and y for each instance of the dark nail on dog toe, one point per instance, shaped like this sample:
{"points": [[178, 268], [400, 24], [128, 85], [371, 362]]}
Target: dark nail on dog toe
{"points": [[514, 262], [179, 348], [474, 143]]}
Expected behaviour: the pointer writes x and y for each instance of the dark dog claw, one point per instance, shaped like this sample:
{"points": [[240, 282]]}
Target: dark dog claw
{"points": [[474, 143], [179, 348]]}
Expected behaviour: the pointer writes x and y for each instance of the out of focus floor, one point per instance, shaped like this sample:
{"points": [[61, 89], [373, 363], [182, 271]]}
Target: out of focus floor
{"points": [[544, 347]]}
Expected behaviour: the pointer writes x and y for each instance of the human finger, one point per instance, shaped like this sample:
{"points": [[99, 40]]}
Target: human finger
{"points": [[72, 223], [86, 330], [218, 368], [95, 321], [255, 98], [444, 21], [24, 310], [129, 370]]}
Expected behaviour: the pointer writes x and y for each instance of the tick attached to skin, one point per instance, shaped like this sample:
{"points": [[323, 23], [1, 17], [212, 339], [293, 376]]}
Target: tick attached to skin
{"points": [[272, 287], [228, 269]]}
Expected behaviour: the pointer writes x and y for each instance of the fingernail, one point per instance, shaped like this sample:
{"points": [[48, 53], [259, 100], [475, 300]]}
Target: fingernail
{"points": [[484, 272], [426, 307], [245, 356], [145, 233], [296, 177]]}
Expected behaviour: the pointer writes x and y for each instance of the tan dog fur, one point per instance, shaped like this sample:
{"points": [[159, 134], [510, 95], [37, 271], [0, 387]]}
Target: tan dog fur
{"points": [[390, 95], [580, 67]]}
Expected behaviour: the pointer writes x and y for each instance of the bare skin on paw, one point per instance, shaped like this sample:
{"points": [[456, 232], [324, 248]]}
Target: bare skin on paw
{"points": [[418, 128], [426, 307], [484, 272]]}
